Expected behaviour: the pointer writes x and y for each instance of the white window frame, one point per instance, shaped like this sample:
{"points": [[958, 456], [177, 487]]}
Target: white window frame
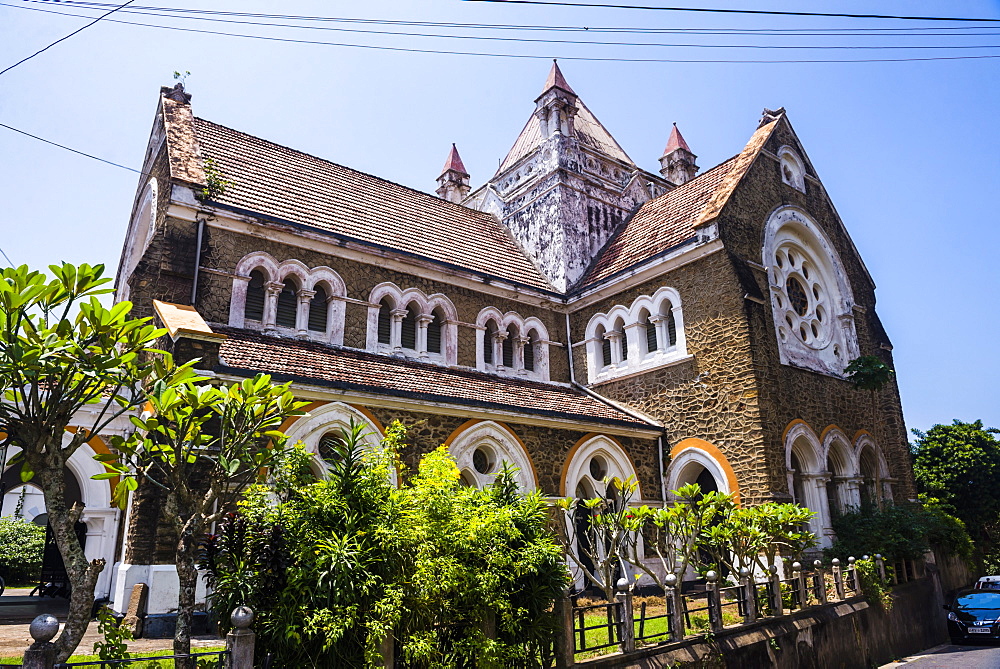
{"points": [[792, 168], [502, 443], [425, 307], [523, 327]]}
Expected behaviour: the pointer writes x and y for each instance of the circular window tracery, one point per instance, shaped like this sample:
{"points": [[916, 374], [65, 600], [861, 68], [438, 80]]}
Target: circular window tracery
{"points": [[598, 468], [801, 295], [483, 460]]}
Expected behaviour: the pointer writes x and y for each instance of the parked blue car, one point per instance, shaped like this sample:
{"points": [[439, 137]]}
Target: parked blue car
{"points": [[974, 615]]}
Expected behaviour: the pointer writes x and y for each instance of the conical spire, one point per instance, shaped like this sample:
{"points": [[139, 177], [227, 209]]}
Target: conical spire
{"points": [[677, 165], [557, 80], [675, 142], [453, 184], [454, 162]]}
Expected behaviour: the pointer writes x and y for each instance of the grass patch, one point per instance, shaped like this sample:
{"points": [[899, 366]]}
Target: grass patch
{"points": [[207, 661]]}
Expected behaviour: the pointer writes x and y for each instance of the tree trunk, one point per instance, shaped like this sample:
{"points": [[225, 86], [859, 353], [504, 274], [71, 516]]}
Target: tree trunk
{"points": [[82, 575], [187, 577]]}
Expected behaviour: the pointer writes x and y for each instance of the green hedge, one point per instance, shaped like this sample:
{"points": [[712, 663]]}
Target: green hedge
{"points": [[21, 547]]}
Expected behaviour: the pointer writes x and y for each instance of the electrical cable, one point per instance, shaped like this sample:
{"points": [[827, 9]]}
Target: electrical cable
{"points": [[526, 56], [63, 146], [766, 12], [62, 39]]}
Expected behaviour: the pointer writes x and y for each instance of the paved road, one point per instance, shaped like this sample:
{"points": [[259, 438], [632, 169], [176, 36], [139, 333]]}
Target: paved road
{"points": [[953, 657]]}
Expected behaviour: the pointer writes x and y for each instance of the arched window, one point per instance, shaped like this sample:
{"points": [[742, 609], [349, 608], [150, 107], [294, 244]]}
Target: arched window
{"points": [[254, 310], [529, 351], [605, 346], [330, 446], [318, 308], [649, 332], [870, 496], [434, 332], [287, 304], [489, 337], [792, 170], [508, 347], [385, 308], [408, 330], [622, 341], [667, 313]]}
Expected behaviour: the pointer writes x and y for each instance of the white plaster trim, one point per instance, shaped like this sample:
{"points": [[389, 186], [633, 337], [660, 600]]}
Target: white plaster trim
{"points": [[617, 463], [332, 417], [426, 305], [502, 444], [686, 468]]}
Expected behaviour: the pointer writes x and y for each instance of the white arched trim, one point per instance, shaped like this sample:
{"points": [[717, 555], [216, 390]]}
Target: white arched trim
{"points": [[332, 417], [610, 454], [307, 279], [625, 328], [426, 306], [498, 444], [812, 303], [688, 465], [883, 478], [524, 327], [793, 171], [838, 445], [807, 485], [140, 234]]}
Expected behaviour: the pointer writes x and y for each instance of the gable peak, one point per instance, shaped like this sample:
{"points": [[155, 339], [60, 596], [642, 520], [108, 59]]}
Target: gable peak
{"points": [[556, 80]]}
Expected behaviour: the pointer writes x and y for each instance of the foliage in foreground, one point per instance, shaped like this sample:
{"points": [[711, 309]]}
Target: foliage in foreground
{"points": [[900, 531], [21, 546], [335, 566]]}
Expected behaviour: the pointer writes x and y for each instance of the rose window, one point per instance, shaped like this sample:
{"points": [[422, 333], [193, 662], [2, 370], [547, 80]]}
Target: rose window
{"points": [[801, 298]]}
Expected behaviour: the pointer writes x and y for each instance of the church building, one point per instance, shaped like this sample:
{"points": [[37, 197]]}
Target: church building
{"points": [[574, 315]]}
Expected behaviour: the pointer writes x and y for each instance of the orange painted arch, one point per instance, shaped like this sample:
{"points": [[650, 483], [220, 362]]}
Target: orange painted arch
{"points": [[713, 452], [788, 428], [829, 428]]}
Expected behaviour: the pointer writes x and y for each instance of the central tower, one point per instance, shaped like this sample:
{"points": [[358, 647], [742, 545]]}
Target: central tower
{"points": [[565, 186]]}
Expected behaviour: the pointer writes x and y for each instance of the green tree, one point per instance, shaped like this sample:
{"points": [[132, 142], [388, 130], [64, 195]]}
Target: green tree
{"points": [[204, 445], [959, 465], [62, 351], [21, 546]]}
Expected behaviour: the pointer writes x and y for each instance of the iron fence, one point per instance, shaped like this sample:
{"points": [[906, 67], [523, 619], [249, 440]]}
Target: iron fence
{"points": [[645, 617], [218, 655], [612, 617]]}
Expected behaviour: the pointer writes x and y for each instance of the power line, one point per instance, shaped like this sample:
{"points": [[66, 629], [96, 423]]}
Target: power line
{"points": [[61, 39], [200, 14], [11, 264], [738, 11], [63, 146], [541, 56]]}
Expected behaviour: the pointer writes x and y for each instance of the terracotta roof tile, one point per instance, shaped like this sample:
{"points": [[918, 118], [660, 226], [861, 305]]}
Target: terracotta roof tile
{"points": [[348, 369], [282, 183], [660, 224], [454, 162], [675, 142]]}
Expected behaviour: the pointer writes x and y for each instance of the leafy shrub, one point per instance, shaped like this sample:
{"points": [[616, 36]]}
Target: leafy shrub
{"points": [[455, 575], [113, 646], [21, 546], [897, 532]]}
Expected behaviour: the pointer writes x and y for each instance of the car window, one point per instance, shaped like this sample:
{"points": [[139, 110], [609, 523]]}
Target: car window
{"points": [[978, 600]]}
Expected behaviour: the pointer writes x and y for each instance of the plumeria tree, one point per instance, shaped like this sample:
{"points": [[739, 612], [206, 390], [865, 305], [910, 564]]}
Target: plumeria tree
{"points": [[61, 352], [203, 444]]}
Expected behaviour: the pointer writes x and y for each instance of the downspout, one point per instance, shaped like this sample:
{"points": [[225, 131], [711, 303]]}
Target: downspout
{"points": [[569, 351], [663, 482], [197, 262]]}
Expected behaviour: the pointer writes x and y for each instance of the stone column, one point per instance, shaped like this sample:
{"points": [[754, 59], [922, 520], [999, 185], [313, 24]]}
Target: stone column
{"points": [[302, 313], [240, 640], [519, 343], [396, 331], [662, 334], [815, 491], [853, 490], [565, 643], [838, 579], [750, 596], [498, 339], [271, 291], [616, 346], [423, 320], [714, 604], [675, 607], [626, 624], [636, 332], [238, 301]]}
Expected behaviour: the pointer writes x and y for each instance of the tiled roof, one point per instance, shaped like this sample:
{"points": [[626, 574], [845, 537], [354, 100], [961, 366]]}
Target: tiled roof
{"points": [[675, 142], [282, 183], [587, 130], [557, 80], [346, 369], [454, 162], [674, 218], [660, 224]]}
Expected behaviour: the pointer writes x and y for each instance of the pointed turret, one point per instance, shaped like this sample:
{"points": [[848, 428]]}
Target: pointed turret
{"points": [[556, 107], [453, 184], [678, 162]]}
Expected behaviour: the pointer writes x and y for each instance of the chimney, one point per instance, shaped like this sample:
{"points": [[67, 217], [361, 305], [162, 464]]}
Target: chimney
{"points": [[678, 163], [453, 184]]}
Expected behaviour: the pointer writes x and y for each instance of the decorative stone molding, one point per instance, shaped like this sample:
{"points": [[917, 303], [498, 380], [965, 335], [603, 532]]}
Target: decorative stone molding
{"points": [[480, 449], [526, 332], [425, 305]]}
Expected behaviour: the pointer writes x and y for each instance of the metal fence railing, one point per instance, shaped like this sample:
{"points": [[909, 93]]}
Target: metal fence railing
{"points": [[218, 655]]}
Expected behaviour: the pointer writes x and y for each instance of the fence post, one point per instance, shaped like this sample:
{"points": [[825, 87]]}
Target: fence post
{"points": [[852, 568], [820, 582], [880, 564], [42, 653], [626, 616], [749, 595], [777, 603], [800, 584], [240, 640], [673, 597], [388, 650], [565, 644], [714, 605], [838, 579]]}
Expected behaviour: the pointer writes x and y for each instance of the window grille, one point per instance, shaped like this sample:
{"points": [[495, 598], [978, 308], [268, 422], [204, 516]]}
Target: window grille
{"points": [[671, 325], [287, 306], [605, 350], [385, 322], [254, 310], [408, 334], [623, 340], [318, 310], [529, 352], [508, 349], [488, 335], [434, 335], [651, 344]]}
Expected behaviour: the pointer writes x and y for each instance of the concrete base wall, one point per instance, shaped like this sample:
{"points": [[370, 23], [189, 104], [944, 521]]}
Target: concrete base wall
{"points": [[844, 635]]}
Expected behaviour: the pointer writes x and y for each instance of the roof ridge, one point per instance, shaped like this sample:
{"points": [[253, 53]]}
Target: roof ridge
{"points": [[430, 197]]}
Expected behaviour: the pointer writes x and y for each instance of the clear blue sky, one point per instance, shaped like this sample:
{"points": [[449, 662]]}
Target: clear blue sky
{"points": [[910, 152]]}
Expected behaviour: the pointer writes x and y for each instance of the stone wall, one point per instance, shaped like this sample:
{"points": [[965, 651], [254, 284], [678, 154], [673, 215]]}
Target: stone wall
{"points": [[712, 396]]}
